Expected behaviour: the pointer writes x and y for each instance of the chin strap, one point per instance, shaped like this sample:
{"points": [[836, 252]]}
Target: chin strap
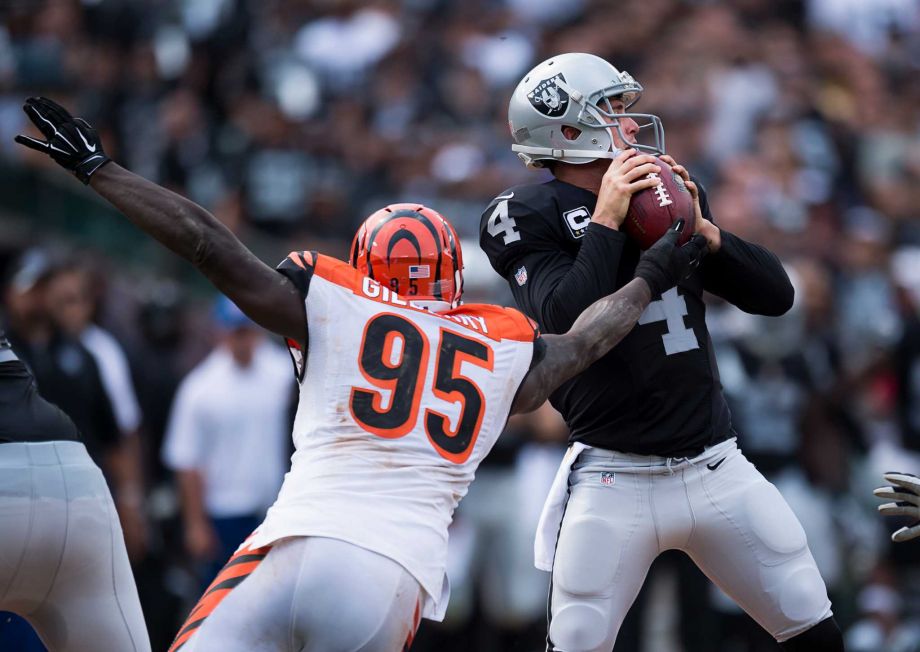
{"points": [[528, 153]]}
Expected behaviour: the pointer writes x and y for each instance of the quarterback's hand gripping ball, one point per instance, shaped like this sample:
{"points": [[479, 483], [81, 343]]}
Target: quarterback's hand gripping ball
{"points": [[71, 142], [905, 491], [654, 210]]}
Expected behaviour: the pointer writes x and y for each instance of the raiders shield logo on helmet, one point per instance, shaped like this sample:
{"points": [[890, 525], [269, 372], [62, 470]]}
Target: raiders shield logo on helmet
{"points": [[548, 98]]}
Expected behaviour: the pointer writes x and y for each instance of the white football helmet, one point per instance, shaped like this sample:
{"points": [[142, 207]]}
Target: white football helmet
{"points": [[573, 89]]}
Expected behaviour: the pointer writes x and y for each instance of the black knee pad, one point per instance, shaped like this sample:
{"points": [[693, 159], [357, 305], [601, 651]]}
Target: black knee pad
{"points": [[823, 637]]}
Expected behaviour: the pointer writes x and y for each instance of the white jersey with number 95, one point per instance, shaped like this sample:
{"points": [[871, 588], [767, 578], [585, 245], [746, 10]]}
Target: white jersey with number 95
{"points": [[398, 406]]}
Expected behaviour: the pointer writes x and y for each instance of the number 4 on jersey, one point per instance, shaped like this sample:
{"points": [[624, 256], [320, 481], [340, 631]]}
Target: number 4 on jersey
{"points": [[500, 223], [671, 308]]}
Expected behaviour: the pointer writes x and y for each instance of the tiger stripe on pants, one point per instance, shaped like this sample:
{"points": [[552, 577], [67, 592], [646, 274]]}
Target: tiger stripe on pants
{"points": [[240, 566]]}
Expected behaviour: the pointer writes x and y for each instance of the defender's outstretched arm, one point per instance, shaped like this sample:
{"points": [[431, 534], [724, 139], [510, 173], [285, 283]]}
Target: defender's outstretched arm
{"points": [[186, 228], [266, 296]]}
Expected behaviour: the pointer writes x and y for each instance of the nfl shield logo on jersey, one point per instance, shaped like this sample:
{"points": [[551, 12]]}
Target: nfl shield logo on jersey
{"points": [[608, 478], [521, 275]]}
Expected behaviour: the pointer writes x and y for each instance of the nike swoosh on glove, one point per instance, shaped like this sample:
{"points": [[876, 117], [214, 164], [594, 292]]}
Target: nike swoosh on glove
{"points": [[71, 142]]}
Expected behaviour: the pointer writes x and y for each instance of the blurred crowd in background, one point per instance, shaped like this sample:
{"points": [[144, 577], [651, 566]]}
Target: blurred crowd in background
{"points": [[291, 120]]}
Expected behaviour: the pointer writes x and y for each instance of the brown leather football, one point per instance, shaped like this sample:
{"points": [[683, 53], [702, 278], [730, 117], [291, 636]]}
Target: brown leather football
{"points": [[653, 210]]}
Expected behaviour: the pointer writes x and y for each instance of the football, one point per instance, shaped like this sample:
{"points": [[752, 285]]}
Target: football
{"points": [[652, 211]]}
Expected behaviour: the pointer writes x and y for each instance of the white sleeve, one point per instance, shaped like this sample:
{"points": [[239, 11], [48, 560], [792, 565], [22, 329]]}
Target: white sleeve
{"points": [[184, 435], [116, 377]]}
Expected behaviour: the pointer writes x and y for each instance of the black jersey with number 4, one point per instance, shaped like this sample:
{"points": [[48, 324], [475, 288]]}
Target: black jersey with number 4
{"points": [[658, 391]]}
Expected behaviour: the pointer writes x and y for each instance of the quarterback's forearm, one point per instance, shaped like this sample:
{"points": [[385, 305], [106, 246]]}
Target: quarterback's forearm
{"points": [[597, 330], [748, 276], [193, 233], [557, 294]]}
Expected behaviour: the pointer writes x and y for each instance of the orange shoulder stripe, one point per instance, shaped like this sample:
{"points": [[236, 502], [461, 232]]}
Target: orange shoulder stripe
{"points": [[338, 272], [502, 323]]}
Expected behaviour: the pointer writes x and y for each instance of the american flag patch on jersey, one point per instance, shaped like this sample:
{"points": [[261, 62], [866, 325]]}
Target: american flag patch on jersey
{"points": [[521, 275], [419, 271], [608, 478]]}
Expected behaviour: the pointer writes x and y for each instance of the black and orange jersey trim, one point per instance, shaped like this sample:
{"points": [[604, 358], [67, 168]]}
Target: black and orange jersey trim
{"points": [[503, 323], [299, 267], [240, 566]]}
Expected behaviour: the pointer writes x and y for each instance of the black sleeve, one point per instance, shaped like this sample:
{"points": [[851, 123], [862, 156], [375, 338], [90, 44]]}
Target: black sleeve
{"points": [[745, 274], [105, 427], [556, 287], [548, 284], [298, 267]]}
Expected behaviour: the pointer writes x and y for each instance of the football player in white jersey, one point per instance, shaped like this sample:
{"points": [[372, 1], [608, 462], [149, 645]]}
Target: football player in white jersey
{"points": [[403, 392]]}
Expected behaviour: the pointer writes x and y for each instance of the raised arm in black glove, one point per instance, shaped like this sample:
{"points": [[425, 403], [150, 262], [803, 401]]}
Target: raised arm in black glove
{"points": [[72, 143]]}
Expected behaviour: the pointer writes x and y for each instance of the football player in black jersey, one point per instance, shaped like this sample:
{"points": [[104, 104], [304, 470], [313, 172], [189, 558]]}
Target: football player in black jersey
{"points": [[653, 464], [63, 562]]}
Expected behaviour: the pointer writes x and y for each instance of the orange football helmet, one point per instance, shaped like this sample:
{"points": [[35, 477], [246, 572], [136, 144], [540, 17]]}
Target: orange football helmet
{"points": [[412, 250]]}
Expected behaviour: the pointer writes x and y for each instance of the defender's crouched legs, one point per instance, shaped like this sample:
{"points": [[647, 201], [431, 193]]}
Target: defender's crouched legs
{"points": [[309, 594]]}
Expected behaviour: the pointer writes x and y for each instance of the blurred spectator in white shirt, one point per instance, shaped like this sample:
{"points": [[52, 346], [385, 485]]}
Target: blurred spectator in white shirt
{"points": [[227, 438]]}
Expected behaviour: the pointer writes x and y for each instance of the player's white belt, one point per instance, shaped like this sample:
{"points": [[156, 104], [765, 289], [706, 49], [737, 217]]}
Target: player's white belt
{"points": [[651, 464], [554, 507], [7, 355]]}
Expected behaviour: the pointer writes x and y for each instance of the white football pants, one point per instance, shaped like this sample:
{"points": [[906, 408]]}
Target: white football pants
{"points": [[623, 510], [305, 594], [63, 564]]}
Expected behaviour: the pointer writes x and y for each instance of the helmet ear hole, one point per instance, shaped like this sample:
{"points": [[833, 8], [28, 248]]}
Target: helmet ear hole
{"points": [[570, 133]]}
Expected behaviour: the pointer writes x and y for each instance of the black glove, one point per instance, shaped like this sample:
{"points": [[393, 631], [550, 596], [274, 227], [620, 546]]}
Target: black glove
{"points": [[72, 143], [664, 264]]}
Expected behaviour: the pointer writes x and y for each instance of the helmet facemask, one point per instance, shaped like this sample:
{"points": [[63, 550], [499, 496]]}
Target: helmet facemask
{"points": [[597, 113]]}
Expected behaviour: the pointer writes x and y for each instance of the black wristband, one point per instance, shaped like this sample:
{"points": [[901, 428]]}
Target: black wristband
{"points": [[88, 166], [652, 273]]}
